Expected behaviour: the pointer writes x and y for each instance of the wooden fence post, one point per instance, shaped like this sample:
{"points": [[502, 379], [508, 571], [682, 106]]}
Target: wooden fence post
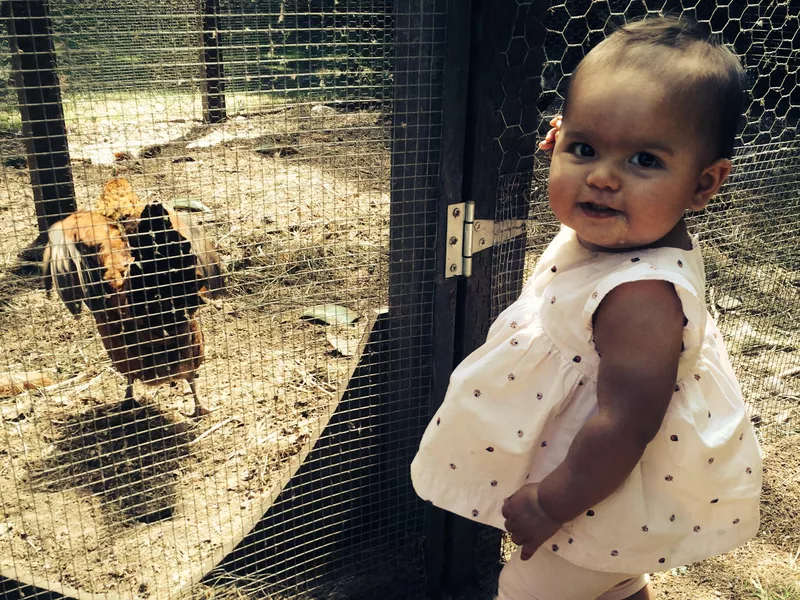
{"points": [[33, 60], [213, 74], [504, 82]]}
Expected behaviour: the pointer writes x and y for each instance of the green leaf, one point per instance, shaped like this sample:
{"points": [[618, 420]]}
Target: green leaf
{"points": [[189, 204], [330, 314]]}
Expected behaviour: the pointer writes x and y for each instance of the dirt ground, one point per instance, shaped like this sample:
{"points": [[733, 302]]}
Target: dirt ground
{"points": [[141, 504], [766, 568]]}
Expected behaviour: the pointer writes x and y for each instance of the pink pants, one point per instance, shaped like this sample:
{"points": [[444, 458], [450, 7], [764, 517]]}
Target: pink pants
{"points": [[547, 576]]}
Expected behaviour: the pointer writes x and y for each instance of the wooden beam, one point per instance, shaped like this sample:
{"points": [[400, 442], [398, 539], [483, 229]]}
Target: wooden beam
{"points": [[44, 131], [213, 73], [506, 59]]}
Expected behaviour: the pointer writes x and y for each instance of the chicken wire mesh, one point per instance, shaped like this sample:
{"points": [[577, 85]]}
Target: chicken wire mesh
{"points": [[257, 181], [749, 231]]}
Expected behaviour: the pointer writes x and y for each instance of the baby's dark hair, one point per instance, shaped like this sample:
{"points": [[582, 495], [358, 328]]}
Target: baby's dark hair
{"points": [[715, 85]]}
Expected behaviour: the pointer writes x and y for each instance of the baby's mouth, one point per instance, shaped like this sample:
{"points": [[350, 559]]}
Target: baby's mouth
{"points": [[597, 210]]}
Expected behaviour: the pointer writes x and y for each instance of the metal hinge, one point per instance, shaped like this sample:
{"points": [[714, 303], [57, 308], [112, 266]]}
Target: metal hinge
{"points": [[466, 236]]}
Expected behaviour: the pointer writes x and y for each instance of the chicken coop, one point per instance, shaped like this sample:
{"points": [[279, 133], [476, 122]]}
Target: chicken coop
{"points": [[342, 195]]}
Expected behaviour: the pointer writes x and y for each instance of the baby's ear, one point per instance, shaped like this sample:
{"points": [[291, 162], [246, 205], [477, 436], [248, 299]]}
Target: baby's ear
{"points": [[711, 179]]}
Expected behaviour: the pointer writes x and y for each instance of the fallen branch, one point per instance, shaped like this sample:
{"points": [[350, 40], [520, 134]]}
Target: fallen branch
{"points": [[214, 428], [65, 384], [790, 372]]}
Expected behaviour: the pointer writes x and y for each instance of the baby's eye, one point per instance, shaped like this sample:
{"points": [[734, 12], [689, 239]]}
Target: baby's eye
{"points": [[581, 150], [646, 160]]}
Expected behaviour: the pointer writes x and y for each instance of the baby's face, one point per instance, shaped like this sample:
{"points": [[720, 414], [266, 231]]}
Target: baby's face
{"points": [[627, 163]]}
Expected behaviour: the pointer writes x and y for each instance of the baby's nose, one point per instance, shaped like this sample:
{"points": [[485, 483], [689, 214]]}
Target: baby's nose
{"points": [[603, 176]]}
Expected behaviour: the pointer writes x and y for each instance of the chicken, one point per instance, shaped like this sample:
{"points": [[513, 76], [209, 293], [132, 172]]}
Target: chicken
{"points": [[142, 270]]}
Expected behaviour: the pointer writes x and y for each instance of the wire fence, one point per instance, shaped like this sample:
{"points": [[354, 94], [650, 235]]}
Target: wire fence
{"points": [[299, 148], [317, 394], [749, 232]]}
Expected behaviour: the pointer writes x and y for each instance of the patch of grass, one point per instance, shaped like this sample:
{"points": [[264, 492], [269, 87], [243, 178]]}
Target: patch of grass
{"points": [[781, 592]]}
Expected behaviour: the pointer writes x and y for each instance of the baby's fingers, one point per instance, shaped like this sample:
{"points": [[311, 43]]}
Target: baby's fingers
{"points": [[519, 539], [527, 551]]}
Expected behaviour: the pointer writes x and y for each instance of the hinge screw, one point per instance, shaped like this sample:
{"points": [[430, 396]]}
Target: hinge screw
{"points": [[477, 226], [456, 212], [483, 241], [453, 241], [453, 268]]}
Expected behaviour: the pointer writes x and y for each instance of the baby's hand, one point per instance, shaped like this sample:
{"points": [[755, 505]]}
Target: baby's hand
{"points": [[527, 523], [549, 141]]}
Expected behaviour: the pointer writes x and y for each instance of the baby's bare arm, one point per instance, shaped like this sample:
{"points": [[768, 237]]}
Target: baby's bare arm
{"points": [[638, 330]]}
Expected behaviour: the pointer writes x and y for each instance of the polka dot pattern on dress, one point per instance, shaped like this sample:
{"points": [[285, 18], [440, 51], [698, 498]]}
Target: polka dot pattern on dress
{"points": [[513, 324], [493, 483], [553, 269], [661, 561], [511, 377], [672, 518], [576, 359], [680, 264], [554, 547], [490, 449], [636, 259], [668, 478], [615, 553], [476, 393], [590, 513], [673, 437], [514, 342], [539, 396], [520, 433], [696, 528], [475, 512]]}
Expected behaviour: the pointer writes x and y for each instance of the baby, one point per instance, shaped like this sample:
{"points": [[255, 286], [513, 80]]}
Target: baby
{"points": [[601, 423]]}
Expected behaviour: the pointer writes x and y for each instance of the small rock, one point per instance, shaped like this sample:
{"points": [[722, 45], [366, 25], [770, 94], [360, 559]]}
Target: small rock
{"points": [[728, 303], [151, 151], [321, 109], [784, 417], [16, 411]]}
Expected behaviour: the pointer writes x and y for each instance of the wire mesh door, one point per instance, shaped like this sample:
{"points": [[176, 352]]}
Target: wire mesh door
{"points": [[522, 59], [257, 187]]}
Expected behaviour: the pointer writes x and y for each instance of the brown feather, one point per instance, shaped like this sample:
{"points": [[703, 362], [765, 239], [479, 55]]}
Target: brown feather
{"points": [[88, 260], [209, 270]]}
